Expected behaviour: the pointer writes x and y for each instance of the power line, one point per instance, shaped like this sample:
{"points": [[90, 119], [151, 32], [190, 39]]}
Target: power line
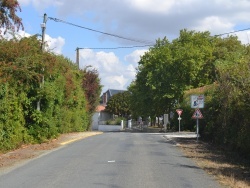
{"points": [[232, 32], [126, 38], [105, 33], [114, 48]]}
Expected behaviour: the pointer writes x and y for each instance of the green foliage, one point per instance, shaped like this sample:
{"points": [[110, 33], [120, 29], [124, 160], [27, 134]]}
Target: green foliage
{"points": [[116, 121], [8, 16], [27, 76], [119, 104], [218, 67], [12, 124], [168, 69], [92, 89], [227, 104], [234, 93]]}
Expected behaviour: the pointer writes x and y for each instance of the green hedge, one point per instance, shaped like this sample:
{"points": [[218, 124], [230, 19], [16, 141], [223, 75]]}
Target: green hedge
{"points": [[63, 104]]}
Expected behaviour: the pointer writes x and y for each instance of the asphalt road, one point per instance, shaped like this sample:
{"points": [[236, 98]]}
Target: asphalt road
{"points": [[112, 160]]}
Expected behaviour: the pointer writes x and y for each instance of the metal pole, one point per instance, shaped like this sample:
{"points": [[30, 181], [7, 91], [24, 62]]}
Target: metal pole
{"points": [[197, 128], [179, 124]]}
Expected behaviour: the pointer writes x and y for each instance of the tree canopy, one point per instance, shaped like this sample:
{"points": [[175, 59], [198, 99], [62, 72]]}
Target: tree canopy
{"points": [[169, 68], [197, 63], [8, 17], [119, 104]]}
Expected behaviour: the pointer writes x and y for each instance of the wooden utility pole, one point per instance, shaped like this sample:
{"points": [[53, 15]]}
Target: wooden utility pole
{"points": [[43, 26]]}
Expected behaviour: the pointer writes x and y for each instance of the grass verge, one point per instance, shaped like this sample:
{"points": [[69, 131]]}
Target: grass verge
{"points": [[228, 167]]}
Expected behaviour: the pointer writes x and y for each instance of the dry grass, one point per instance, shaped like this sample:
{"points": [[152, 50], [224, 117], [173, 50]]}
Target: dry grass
{"points": [[229, 168]]}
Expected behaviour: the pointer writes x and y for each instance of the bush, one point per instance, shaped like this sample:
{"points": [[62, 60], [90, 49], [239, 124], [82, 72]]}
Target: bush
{"points": [[116, 121], [63, 103]]}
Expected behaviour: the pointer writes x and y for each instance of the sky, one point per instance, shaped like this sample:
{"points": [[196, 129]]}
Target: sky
{"points": [[133, 22]]}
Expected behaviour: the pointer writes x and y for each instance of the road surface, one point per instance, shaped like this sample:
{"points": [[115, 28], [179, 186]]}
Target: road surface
{"points": [[111, 160]]}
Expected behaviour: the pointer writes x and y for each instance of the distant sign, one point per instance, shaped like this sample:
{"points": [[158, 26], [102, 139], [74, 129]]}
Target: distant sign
{"points": [[197, 101], [179, 111], [197, 114]]}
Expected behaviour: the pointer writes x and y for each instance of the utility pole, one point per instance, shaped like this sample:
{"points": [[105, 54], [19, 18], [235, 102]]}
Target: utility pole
{"points": [[77, 57], [43, 26]]}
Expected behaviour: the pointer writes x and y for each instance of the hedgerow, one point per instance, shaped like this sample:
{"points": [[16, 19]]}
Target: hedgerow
{"points": [[41, 94]]}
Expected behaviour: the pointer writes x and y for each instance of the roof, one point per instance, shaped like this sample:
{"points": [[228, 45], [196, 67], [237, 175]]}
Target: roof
{"points": [[115, 91], [100, 108]]}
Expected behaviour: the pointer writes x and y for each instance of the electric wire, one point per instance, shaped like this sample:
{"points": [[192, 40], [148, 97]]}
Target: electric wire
{"points": [[114, 48], [233, 32], [105, 33], [148, 43]]}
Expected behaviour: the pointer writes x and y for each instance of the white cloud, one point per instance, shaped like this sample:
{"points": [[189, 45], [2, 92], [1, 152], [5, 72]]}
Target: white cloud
{"points": [[24, 2], [55, 44], [9, 34], [114, 82], [139, 19], [244, 37], [135, 56], [40, 5], [151, 19], [156, 6], [113, 73], [215, 24]]}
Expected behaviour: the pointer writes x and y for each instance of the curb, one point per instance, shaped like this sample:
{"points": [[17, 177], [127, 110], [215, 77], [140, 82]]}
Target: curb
{"points": [[79, 138]]}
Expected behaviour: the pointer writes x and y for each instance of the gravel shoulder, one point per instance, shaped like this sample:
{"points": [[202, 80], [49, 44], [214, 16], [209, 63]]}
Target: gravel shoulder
{"points": [[229, 168]]}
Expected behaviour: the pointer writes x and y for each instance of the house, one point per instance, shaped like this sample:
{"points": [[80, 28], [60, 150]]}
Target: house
{"points": [[108, 94], [100, 114], [97, 116]]}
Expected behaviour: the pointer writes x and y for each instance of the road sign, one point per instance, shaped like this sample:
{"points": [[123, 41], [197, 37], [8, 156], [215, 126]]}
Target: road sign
{"points": [[197, 101], [179, 111], [197, 114]]}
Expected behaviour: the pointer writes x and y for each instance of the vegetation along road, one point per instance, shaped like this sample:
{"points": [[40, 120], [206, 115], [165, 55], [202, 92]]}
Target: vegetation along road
{"points": [[111, 160]]}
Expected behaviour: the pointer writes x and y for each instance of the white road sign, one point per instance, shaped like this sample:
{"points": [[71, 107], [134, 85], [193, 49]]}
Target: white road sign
{"points": [[197, 101]]}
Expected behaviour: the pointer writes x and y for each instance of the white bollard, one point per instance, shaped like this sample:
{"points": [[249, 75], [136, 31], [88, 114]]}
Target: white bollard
{"points": [[130, 124], [122, 124]]}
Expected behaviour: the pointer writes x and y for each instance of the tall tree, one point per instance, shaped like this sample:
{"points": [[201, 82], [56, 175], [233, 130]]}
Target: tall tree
{"points": [[8, 17], [149, 95], [92, 87], [168, 69]]}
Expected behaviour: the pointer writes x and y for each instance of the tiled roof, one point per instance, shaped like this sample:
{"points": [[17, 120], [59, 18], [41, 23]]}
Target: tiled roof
{"points": [[100, 108]]}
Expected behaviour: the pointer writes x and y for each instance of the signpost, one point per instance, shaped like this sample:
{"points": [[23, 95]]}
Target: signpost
{"points": [[197, 115], [179, 112]]}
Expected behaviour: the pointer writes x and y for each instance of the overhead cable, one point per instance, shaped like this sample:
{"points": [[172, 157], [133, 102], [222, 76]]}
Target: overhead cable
{"points": [[233, 32], [113, 48], [105, 33]]}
